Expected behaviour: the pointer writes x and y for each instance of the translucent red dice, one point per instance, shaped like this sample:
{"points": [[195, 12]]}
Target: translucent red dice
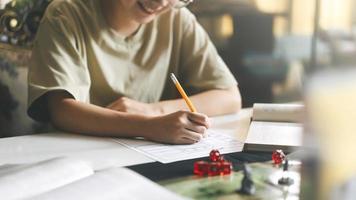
{"points": [[214, 169], [278, 156], [217, 166], [214, 155], [201, 168], [225, 167]]}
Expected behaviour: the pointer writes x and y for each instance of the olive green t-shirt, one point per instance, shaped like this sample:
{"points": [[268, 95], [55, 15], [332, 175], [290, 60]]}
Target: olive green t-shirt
{"points": [[76, 51]]}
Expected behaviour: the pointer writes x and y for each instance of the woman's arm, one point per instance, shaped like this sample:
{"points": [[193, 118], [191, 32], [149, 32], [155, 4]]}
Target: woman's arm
{"points": [[211, 103], [68, 114]]}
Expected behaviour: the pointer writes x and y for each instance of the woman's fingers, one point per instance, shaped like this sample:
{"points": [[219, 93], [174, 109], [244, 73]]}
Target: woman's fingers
{"points": [[115, 106], [200, 119], [196, 128], [189, 138], [192, 135], [184, 140], [181, 127]]}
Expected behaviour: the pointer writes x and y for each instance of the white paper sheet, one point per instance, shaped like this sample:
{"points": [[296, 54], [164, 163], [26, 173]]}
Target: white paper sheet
{"points": [[100, 152], [166, 153], [111, 184], [23, 181]]}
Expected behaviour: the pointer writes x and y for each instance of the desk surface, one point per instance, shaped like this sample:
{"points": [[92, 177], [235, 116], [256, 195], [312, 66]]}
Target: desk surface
{"points": [[106, 153], [100, 152]]}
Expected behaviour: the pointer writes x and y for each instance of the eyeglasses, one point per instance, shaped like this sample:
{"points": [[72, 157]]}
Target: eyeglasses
{"points": [[180, 3], [171, 3]]}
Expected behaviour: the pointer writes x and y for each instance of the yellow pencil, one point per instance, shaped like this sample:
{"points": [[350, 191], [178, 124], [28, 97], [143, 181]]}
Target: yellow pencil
{"points": [[182, 93]]}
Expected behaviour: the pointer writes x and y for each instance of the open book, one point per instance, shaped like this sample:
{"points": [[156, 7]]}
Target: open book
{"points": [[275, 126], [63, 178]]}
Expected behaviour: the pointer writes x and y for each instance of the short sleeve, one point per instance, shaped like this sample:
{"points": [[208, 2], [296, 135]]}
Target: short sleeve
{"points": [[201, 66], [57, 63]]}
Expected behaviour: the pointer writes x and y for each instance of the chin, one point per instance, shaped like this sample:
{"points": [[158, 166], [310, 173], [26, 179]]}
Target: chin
{"points": [[145, 20]]}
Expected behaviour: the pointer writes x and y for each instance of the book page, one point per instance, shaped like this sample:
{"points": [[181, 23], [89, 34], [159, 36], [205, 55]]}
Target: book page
{"points": [[275, 134], [166, 153], [115, 183], [23, 181], [278, 112]]}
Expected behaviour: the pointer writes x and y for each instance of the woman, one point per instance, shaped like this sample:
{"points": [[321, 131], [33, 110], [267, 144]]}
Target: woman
{"points": [[101, 67]]}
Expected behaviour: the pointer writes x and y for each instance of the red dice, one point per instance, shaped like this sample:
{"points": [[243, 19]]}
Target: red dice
{"points": [[225, 167], [214, 168], [278, 156], [201, 168], [217, 166], [214, 155]]}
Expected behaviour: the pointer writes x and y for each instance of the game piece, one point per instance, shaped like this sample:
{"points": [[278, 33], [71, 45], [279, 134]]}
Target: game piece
{"points": [[217, 166], [285, 180], [201, 168], [225, 167], [214, 155], [278, 156], [221, 158], [214, 168], [247, 185]]}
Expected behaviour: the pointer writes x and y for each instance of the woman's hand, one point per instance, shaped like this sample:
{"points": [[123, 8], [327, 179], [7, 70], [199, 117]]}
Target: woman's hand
{"points": [[124, 104], [182, 127]]}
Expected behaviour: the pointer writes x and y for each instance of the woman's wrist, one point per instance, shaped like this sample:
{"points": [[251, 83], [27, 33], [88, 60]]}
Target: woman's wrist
{"points": [[145, 126], [157, 109]]}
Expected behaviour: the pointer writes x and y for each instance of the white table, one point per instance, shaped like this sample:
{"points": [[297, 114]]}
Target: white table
{"points": [[100, 152]]}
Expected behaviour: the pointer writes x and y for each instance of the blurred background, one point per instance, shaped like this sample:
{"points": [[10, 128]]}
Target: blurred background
{"points": [[268, 43]]}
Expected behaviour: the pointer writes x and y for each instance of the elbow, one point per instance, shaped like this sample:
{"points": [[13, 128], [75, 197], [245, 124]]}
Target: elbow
{"points": [[236, 100], [57, 115], [58, 106], [233, 101]]}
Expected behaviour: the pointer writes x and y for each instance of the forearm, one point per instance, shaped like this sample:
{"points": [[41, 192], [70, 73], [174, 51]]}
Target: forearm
{"points": [[211, 103], [74, 116], [218, 102]]}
